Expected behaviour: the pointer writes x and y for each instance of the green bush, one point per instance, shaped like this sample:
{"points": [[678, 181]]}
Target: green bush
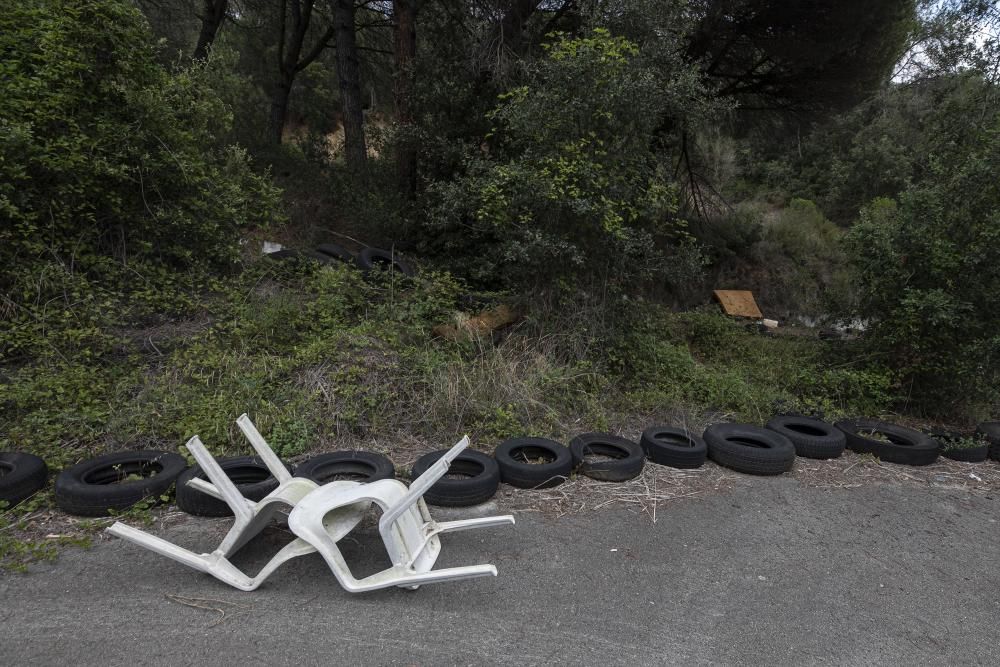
{"points": [[789, 256], [566, 183], [113, 184], [928, 280], [707, 361], [801, 251]]}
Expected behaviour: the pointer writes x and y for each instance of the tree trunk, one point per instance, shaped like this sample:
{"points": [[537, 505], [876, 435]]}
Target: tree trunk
{"points": [[405, 15], [515, 19], [279, 107], [213, 13], [349, 74], [289, 61]]}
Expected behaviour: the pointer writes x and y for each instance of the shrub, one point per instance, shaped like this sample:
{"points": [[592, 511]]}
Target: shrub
{"points": [[112, 181], [802, 254], [928, 280], [566, 183]]}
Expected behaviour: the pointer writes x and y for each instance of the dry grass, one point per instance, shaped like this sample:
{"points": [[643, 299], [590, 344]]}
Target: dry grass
{"points": [[516, 372], [651, 491], [658, 486], [856, 470]]}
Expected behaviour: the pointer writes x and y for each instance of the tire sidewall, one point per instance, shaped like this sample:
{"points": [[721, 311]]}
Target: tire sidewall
{"points": [[76, 495], [618, 469], [465, 491], [532, 475]]}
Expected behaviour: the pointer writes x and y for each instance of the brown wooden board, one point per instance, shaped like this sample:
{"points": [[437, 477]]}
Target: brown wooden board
{"points": [[739, 303], [486, 322]]}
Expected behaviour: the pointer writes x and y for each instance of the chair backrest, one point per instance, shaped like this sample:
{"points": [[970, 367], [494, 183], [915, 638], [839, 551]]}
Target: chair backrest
{"points": [[421, 484]]}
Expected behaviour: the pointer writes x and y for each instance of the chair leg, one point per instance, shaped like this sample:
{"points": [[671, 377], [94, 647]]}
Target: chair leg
{"points": [[215, 563], [209, 490], [398, 577], [420, 486], [265, 453], [160, 546], [224, 485], [467, 524]]}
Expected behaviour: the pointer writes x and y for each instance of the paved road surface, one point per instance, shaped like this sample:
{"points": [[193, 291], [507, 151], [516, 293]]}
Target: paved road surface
{"points": [[770, 573]]}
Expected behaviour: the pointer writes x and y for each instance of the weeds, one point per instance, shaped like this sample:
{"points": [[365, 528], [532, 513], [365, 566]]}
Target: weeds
{"points": [[322, 359], [21, 541]]}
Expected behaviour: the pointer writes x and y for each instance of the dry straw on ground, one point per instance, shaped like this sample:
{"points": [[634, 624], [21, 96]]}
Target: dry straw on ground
{"points": [[658, 486], [650, 491]]}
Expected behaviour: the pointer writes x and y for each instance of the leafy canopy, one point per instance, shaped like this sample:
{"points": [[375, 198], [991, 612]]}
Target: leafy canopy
{"points": [[105, 153], [111, 176], [567, 177]]}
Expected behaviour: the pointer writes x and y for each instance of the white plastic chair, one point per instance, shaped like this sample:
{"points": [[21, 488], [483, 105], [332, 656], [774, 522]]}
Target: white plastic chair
{"points": [[250, 517], [409, 533]]}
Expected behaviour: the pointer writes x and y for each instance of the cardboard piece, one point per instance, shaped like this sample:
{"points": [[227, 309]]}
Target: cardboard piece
{"points": [[739, 303], [486, 322]]}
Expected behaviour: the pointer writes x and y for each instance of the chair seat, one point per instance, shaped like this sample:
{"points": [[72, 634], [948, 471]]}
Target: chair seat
{"points": [[410, 540]]}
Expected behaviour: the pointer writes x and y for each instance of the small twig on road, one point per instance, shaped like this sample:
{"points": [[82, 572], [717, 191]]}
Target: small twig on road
{"points": [[209, 605]]}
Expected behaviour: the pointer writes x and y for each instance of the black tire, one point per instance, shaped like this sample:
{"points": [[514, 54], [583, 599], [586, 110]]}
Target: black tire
{"points": [[479, 485], [357, 465], [92, 487], [674, 447], [812, 438], [21, 476], [906, 446], [373, 258], [626, 462], [249, 473], [317, 257], [336, 251], [283, 254], [750, 449], [991, 431], [965, 454], [511, 458], [302, 255]]}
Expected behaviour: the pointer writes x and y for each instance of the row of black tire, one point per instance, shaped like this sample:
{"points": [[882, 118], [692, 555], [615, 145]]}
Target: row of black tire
{"points": [[116, 482], [366, 260]]}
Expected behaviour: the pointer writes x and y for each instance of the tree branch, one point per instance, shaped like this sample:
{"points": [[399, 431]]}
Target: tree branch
{"points": [[317, 49]]}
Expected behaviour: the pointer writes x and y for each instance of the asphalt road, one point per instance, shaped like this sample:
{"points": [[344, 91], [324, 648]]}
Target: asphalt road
{"points": [[770, 573]]}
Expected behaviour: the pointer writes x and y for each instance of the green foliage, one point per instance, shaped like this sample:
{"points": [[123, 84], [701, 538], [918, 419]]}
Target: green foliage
{"points": [[111, 176], [881, 146], [566, 180], [704, 359], [795, 56], [955, 442], [928, 278], [308, 351], [321, 358], [60, 407], [20, 545], [790, 257], [801, 252]]}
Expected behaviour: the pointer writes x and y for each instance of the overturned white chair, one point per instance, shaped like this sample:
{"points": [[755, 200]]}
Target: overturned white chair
{"points": [[250, 517], [409, 533], [320, 517]]}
